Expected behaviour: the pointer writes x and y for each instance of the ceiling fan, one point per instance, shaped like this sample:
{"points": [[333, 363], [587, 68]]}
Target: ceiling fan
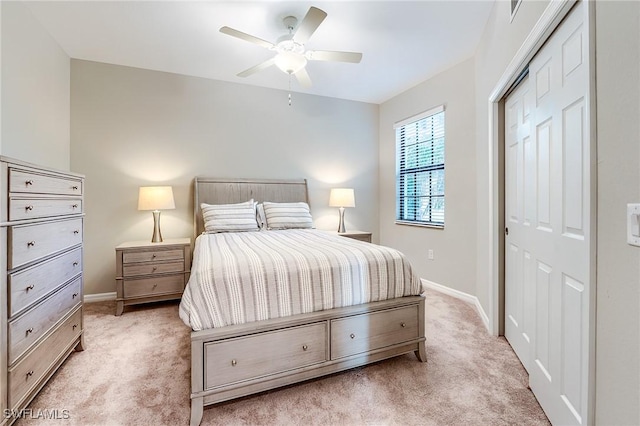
{"points": [[291, 54]]}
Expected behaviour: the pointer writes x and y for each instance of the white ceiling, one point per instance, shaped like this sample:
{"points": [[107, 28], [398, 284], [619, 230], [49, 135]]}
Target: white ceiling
{"points": [[403, 43]]}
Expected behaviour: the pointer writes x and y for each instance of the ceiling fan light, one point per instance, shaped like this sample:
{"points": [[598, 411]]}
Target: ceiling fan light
{"points": [[290, 63]]}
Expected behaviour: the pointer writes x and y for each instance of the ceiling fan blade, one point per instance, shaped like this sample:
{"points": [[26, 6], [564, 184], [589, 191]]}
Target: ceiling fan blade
{"points": [[328, 55], [303, 78], [309, 25], [259, 67], [246, 37]]}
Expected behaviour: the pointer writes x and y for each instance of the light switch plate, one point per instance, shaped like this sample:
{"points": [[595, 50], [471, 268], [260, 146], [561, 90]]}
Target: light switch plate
{"points": [[633, 224]]}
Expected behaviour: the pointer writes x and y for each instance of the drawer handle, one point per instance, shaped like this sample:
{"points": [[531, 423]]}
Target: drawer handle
{"points": [[154, 269], [74, 187], [234, 362], [30, 373], [74, 206], [75, 263], [353, 336], [29, 331], [74, 326], [74, 295], [28, 208], [305, 347], [29, 287], [29, 182], [76, 232], [403, 325], [154, 286], [153, 255], [31, 243]]}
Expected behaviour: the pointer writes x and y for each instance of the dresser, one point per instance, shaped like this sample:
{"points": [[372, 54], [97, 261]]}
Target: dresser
{"points": [[151, 272], [41, 232]]}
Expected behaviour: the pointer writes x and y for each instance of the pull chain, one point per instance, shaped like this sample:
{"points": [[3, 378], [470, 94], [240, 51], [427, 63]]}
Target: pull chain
{"points": [[289, 89]]}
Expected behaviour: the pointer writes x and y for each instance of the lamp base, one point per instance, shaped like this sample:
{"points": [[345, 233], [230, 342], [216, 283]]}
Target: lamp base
{"points": [[157, 235], [341, 229]]}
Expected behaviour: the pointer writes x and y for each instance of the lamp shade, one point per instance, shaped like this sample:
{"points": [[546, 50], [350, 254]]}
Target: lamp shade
{"points": [[156, 198], [342, 197]]}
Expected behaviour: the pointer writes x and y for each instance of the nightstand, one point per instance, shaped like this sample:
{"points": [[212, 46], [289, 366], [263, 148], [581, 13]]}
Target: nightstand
{"points": [[357, 235], [151, 272]]}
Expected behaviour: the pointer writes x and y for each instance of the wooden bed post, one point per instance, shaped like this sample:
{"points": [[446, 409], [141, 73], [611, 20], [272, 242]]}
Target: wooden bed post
{"points": [[197, 381], [197, 408], [421, 353]]}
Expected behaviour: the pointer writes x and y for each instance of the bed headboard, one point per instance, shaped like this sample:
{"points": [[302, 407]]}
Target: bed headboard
{"points": [[227, 191]]}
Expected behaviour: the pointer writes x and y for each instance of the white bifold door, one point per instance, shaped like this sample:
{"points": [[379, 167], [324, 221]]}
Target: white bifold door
{"points": [[548, 277]]}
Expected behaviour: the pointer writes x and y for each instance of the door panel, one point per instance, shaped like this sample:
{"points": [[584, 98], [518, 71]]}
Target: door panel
{"points": [[548, 199], [520, 215]]}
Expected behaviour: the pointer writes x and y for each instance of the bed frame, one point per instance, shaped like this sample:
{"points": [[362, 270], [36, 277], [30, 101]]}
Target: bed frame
{"points": [[240, 360]]}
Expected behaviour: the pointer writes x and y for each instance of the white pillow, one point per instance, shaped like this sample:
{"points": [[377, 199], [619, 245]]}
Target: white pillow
{"points": [[238, 217], [287, 215]]}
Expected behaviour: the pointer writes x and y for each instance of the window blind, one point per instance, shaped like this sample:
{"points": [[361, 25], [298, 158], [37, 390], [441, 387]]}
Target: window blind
{"points": [[420, 168]]}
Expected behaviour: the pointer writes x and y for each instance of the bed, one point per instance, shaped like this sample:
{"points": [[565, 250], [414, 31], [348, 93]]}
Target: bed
{"points": [[240, 346]]}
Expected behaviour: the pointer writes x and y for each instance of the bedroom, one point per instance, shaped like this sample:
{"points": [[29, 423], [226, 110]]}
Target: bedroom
{"points": [[147, 125]]}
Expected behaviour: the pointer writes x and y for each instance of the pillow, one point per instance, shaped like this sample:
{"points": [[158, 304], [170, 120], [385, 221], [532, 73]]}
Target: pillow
{"points": [[262, 220], [287, 215], [238, 217]]}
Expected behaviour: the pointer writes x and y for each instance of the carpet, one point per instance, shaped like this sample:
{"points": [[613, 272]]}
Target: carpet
{"points": [[136, 367]]}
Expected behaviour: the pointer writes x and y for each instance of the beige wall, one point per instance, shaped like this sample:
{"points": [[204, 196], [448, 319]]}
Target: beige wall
{"points": [[618, 265], [498, 45], [454, 246], [133, 127], [35, 91]]}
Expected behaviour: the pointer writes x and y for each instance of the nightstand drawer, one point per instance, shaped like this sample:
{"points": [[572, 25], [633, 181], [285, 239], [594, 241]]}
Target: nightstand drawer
{"points": [[28, 328], [32, 208], [152, 255], [30, 284], [35, 183], [144, 287], [31, 242], [152, 268]]}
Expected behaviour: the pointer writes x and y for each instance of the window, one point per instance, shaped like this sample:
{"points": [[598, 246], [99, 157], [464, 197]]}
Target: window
{"points": [[420, 169]]}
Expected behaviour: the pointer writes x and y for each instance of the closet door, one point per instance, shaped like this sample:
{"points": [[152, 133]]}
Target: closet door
{"points": [[520, 197], [548, 214]]}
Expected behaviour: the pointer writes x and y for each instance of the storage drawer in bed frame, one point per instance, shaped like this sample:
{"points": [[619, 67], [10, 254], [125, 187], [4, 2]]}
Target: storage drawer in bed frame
{"points": [[235, 361]]}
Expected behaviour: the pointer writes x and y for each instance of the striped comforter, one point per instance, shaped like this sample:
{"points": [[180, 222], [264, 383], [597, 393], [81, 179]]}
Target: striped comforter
{"points": [[251, 276]]}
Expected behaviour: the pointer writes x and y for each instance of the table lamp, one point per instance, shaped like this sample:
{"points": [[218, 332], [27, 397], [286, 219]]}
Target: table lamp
{"points": [[342, 197], [156, 198]]}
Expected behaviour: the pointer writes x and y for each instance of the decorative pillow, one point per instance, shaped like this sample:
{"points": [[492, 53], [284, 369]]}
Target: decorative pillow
{"points": [[287, 215], [229, 217]]}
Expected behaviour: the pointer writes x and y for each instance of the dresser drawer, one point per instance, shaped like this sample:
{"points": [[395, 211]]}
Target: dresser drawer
{"points": [[30, 284], [131, 270], [28, 328], [260, 355], [26, 375], [366, 332], [152, 255], [35, 183], [33, 208], [144, 287], [31, 242]]}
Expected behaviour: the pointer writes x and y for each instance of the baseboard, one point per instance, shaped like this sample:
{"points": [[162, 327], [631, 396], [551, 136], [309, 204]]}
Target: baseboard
{"points": [[460, 295], [100, 297]]}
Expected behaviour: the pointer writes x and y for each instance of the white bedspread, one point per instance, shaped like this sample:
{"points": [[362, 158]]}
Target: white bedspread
{"points": [[251, 276]]}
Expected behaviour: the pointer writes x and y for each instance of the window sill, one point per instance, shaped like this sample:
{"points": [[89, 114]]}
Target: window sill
{"points": [[420, 225]]}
